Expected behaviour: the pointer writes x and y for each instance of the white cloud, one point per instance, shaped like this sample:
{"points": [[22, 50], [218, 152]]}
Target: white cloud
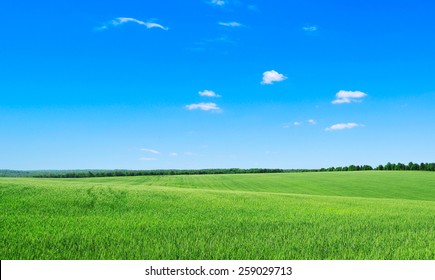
{"points": [[312, 28], [218, 2], [208, 93], [230, 24], [344, 96], [173, 154], [341, 126], [298, 123], [147, 159], [149, 151], [203, 106], [122, 20], [269, 77]]}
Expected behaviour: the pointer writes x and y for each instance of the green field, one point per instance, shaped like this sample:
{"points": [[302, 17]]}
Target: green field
{"points": [[328, 215]]}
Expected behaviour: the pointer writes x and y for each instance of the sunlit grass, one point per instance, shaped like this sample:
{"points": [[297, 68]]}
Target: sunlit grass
{"points": [[348, 215]]}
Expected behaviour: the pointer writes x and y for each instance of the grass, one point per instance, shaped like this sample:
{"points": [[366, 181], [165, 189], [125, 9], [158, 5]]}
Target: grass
{"points": [[336, 215]]}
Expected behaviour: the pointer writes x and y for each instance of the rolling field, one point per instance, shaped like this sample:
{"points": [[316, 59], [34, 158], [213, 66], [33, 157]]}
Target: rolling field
{"points": [[330, 215]]}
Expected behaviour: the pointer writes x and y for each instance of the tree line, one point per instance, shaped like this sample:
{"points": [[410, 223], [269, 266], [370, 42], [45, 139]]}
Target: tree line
{"points": [[124, 172], [165, 172], [389, 166]]}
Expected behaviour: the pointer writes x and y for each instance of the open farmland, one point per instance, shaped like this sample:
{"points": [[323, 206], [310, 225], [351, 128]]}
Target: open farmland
{"points": [[334, 215]]}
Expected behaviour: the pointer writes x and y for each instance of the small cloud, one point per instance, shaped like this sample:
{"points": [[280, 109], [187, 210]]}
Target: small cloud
{"points": [[173, 154], [269, 77], [122, 20], [312, 28], [230, 24], [341, 126], [147, 159], [218, 2], [188, 154], [344, 96], [297, 123], [208, 93], [203, 106], [150, 151], [288, 125]]}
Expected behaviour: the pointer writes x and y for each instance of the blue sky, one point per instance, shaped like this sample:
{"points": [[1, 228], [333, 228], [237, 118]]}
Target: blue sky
{"points": [[216, 84]]}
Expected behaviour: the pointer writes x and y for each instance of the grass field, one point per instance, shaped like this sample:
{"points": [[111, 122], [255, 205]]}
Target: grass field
{"points": [[330, 215]]}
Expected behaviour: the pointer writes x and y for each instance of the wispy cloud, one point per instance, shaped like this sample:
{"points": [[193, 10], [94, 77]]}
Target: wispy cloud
{"points": [[122, 20], [149, 151], [269, 77], [230, 24], [341, 126], [208, 93], [218, 2], [173, 154], [344, 96], [298, 123], [311, 28], [203, 106], [147, 159]]}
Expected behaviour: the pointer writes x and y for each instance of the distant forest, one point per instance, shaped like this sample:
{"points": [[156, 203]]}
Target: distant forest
{"points": [[121, 172]]}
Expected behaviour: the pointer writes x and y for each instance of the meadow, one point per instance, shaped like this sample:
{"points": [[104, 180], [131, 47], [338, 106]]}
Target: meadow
{"points": [[327, 215]]}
